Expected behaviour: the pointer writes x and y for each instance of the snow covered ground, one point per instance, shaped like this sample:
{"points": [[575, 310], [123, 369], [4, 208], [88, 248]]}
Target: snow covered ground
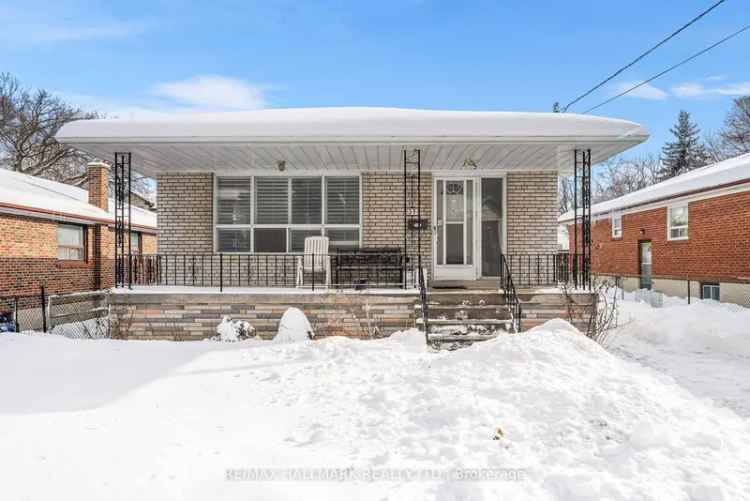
{"points": [[704, 346], [554, 414]]}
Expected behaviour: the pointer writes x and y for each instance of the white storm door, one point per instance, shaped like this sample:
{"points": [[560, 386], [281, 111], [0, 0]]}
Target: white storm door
{"points": [[454, 229]]}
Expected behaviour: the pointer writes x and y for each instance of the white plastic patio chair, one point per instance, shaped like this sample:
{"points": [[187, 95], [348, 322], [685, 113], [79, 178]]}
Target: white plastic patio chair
{"points": [[315, 260]]}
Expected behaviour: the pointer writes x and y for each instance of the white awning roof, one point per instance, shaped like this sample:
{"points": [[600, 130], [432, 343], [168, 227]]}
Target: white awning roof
{"points": [[353, 139]]}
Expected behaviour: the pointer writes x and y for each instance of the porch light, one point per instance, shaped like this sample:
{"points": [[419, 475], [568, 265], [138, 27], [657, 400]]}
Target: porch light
{"points": [[281, 164]]}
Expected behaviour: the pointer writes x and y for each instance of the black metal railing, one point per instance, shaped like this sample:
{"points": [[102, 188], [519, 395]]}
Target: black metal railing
{"points": [[342, 270], [536, 270], [511, 295], [423, 301]]}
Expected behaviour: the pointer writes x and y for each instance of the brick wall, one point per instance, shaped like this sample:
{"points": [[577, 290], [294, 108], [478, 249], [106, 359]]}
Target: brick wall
{"points": [[195, 316], [28, 258], [185, 212], [382, 213], [98, 184], [718, 244], [532, 212]]}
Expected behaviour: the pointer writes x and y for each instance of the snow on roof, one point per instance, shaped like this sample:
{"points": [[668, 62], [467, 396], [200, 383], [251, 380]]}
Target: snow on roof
{"points": [[348, 123], [22, 191], [711, 176]]}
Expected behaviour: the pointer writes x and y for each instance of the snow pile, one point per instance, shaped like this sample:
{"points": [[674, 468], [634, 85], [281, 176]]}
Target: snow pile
{"points": [[700, 326], [577, 422], [234, 330], [293, 327]]}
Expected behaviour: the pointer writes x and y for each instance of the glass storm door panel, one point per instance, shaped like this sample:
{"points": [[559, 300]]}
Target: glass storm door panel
{"points": [[492, 225], [454, 221], [645, 260]]}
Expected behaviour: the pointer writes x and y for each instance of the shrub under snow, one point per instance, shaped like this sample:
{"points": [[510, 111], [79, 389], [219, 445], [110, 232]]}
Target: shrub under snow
{"points": [[234, 330]]}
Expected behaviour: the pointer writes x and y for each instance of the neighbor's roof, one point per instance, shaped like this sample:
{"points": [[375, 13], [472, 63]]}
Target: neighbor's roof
{"points": [[722, 174], [22, 193], [305, 137]]}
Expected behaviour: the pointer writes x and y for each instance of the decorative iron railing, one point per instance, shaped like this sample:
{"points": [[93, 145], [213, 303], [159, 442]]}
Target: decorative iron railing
{"points": [[423, 301], [538, 270], [511, 296], [341, 270]]}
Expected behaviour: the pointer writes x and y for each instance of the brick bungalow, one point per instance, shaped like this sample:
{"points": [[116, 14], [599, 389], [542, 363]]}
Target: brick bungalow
{"points": [[61, 236], [694, 226], [238, 194]]}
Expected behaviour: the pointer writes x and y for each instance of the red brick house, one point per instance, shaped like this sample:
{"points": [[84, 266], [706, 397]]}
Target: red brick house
{"points": [[61, 236], [695, 226]]}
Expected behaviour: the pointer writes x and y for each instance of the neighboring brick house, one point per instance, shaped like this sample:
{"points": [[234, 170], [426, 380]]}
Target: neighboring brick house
{"points": [[61, 236], [695, 226]]}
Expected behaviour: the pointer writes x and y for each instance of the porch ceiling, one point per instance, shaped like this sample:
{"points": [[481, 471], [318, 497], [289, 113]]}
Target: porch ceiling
{"points": [[354, 139]]}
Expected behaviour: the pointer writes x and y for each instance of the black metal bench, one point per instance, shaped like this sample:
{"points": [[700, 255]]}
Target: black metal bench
{"points": [[368, 267]]}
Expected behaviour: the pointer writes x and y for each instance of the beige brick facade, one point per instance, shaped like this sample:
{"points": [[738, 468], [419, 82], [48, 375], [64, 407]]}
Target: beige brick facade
{"points": [[186, 222], [383, 216], [532, 212], [185, 213]]}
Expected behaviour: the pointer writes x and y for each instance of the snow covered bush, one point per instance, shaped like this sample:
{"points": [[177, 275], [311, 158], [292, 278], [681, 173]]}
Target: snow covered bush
{"points": [[234, 330], [294, 326]]}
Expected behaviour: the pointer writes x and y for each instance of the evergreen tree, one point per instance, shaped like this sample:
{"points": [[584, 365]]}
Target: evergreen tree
{"points": [[686, 152]]}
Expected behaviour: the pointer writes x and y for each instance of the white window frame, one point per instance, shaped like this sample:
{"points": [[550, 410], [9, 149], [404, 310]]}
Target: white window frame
{"points": [[686, 225], [711, 285], [323, 226], [616, 233], [82, 230]]}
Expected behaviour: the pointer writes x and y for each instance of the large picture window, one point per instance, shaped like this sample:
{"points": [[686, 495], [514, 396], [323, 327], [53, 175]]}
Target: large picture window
{"points": [[275, 214]]}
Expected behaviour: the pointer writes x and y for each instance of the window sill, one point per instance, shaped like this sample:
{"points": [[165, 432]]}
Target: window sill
{"points": [[681, 239], [72, 263]]}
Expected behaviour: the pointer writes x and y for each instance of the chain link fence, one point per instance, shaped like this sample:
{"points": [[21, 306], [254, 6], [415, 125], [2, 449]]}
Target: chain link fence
{"points": [[76, 315]]}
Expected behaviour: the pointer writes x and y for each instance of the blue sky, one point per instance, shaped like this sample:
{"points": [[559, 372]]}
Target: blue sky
{"points": [[135, 58]]}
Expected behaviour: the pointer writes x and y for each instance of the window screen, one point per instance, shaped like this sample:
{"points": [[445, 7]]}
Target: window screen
{"points": [[234, 196], [342, 199], [307, 200], [271, 200], [233, 240], [270, 239]]}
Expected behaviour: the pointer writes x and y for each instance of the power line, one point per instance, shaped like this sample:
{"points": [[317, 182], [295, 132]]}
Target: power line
{"points": [[675, 66], [649, 51]]}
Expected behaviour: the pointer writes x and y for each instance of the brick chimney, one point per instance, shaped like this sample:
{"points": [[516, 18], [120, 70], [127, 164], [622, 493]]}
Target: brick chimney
{"points": [[98, 178]]}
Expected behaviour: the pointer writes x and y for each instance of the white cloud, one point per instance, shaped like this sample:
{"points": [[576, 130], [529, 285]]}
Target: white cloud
{"points": [[716, 78], [696, 89], [56, 24], [646, 91], [199, 94], [213, 92], [689, 89]]}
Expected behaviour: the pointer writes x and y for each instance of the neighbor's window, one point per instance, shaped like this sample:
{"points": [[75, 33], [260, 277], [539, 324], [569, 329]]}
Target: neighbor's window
{"points": [[135, 242], [710, 291], [286, 210], [616, 225], [70, 242], [677, 222]]}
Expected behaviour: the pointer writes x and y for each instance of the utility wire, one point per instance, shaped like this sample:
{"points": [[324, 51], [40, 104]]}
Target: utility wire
{"points": [[675, 66], [649, 51]]}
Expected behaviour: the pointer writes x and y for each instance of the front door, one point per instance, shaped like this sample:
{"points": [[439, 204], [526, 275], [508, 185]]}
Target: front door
{"points": [[454, 229], [644, 249]]}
